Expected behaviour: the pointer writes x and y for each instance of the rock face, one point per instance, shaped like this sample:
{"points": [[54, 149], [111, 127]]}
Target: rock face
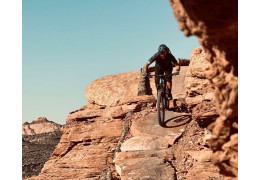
{"points": [[40, 138], [199, 91], [183, 62], [109, 90], [117, 136], [215, 23], [94, 133], [39, 126]]}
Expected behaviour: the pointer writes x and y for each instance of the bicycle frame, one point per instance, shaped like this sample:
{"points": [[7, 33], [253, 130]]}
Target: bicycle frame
{"points": [[162, 84], [162, 100], [162, 87]]}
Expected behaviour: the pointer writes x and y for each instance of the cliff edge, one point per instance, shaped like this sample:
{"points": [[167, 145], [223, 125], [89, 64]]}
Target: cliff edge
{"points": [[215, 23], [117, 135]]}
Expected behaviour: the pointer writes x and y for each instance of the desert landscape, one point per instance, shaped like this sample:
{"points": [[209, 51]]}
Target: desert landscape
{"points": [[117, 136]]}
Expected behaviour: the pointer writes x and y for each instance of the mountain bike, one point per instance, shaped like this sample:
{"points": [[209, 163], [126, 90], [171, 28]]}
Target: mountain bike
{"points": [[162, 101]]}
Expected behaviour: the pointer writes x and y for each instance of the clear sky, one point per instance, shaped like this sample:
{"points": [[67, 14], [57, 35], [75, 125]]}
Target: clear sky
{"points": [[69, 43]]}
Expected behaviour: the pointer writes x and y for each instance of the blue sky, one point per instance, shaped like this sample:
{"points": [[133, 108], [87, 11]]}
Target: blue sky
{"points": [[69, 43]]}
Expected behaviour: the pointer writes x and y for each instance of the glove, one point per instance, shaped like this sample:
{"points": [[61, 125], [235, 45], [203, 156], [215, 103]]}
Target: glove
{"points": [[144, 74], [176, 73]]}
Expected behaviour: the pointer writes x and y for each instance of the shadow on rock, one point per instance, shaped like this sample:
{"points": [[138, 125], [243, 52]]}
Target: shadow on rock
{"points": [[177, 121]]}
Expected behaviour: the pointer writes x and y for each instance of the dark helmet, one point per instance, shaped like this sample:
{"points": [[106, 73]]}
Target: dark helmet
{"points": [[163, 48]]}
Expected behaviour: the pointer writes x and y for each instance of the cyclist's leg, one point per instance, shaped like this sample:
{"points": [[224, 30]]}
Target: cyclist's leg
{"points": [[168, 72]]}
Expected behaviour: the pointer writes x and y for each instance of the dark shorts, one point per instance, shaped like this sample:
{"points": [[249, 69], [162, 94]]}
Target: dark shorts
{"points": [[160, 70]]}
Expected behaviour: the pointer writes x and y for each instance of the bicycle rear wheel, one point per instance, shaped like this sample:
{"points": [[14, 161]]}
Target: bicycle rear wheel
{"points": [[160, 108]]}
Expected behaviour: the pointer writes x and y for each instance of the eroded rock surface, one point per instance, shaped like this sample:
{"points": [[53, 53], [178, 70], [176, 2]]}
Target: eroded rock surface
{"points": [[215, 23], [92, 133], [120, 138], [200, 93], [39, 140], [39, 126], [114, 89]]}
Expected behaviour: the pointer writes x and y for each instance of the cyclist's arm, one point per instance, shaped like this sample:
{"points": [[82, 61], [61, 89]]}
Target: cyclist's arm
{"points": [[150, 61], [176, 64], [146, 66], [178, 67]]}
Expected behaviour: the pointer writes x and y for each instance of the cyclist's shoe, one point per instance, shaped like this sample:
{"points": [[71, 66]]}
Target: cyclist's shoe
{"points": [[169, 96]]}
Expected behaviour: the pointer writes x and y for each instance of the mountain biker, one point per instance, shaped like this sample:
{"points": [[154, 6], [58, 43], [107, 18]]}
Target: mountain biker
{"points": [[164, 62]]}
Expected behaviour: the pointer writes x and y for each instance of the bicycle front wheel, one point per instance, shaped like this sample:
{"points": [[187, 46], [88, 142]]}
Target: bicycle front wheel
{"points": [[160, 108]]}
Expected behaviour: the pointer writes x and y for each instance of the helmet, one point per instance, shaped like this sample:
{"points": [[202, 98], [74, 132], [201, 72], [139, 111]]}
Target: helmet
{"points": [[163, 48]]}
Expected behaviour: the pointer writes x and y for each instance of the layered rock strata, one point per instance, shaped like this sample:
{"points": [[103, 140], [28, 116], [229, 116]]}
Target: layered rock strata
{"points": [[120, 138], [200, 94], [215, 23], [39, 126], [92, 133]]}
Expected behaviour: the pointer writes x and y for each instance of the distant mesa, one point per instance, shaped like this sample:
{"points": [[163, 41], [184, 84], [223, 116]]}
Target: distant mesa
{"points": [[40, 126], [40, 120]]}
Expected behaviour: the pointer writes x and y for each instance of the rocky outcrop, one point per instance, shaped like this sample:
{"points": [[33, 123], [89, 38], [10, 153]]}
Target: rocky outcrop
{"points": [[200, 97], [94, 133], [215, 23], [113, 90], [183, 62], [120, 138], [116, 136], [39, 126]]}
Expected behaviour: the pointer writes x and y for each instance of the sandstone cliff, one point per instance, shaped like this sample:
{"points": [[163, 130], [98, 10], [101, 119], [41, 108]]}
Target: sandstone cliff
{"points": [[200, 93], [215, 23], [117, 136]]}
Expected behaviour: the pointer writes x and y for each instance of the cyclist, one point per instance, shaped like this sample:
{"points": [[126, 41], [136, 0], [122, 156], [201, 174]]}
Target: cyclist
{"points": [[164, 62]]}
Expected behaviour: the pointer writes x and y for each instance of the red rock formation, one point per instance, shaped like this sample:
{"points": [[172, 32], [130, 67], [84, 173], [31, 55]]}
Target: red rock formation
{"points": [[120, 138], [215, 23], [113, 90], [39, 126], [183, 62], [116, 135], [92, 133], [200, 100]]}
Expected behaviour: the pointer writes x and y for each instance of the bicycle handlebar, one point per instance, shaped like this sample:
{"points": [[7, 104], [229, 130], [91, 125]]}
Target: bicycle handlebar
{"points": [[164, 75]]}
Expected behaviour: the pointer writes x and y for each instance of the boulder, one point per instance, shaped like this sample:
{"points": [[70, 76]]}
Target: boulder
{"points": [[109, 90]]}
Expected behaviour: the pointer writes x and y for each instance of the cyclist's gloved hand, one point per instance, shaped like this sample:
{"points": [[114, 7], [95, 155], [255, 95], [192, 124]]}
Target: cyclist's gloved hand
{"points": [[144, 74], [176, 73]]}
